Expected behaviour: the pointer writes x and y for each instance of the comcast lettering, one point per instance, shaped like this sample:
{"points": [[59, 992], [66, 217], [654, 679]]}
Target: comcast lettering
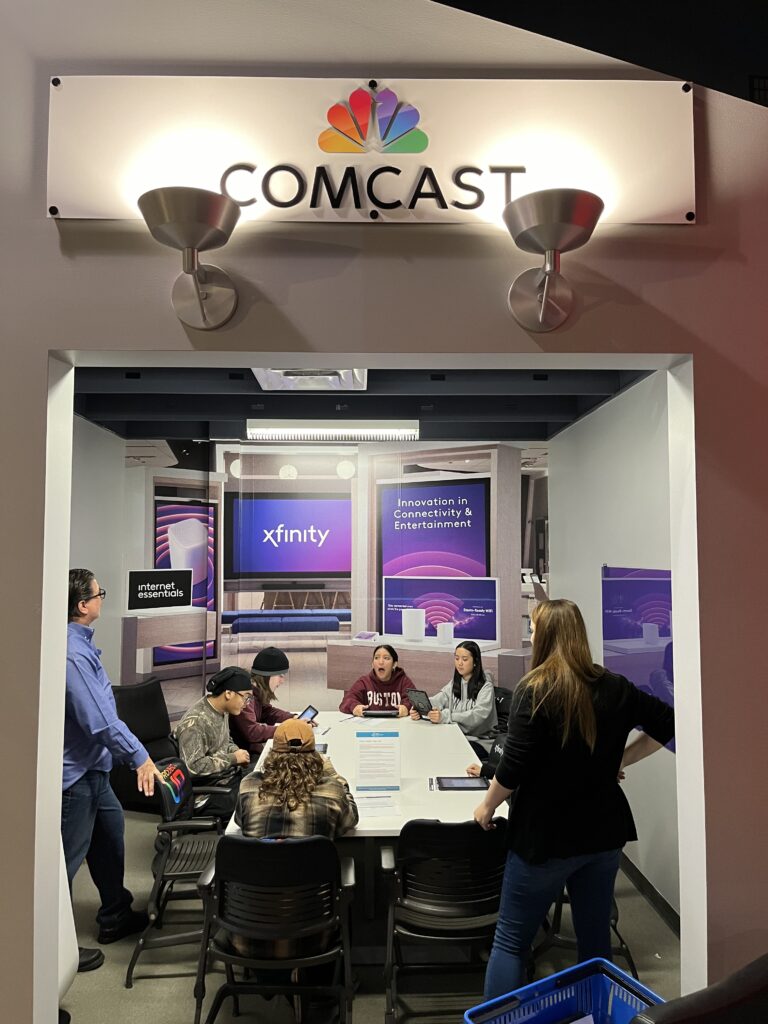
{"points": [[369, 122]]}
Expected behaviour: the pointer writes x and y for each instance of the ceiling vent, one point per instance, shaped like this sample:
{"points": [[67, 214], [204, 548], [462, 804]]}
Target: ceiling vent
{"points": [[149, 453], [312, 380]]}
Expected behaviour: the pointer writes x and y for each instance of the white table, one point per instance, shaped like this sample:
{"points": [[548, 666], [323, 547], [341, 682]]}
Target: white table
{"points": [[427, 750]]}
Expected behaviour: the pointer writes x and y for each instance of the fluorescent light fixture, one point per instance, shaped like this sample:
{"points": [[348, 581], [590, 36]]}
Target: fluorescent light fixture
{"points": [[332, 430]]}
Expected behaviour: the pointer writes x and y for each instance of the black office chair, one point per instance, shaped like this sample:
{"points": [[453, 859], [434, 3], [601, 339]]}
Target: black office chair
{"points": [[287, 902], [185, 846], [741, 998], [553, 936], [144, 711], [445, 886]]}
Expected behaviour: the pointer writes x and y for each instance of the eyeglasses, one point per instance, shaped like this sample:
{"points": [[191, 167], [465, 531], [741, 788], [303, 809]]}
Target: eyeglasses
{"points": [[246, 698], [99, 593]]}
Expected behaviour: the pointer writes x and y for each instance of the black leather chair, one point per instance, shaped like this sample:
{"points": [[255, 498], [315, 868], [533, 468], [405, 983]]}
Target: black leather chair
{"points": [[144, 711], [277, 909], [445, 887], [741, 998], [184, 848]]}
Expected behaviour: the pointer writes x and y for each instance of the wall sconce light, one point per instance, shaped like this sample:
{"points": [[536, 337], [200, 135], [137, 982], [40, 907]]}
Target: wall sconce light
{"points": [[193, 220], [549, 222]]}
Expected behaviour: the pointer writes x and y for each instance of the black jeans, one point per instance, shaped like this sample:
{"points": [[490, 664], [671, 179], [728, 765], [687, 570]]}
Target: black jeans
{"points": [[92, 829]]}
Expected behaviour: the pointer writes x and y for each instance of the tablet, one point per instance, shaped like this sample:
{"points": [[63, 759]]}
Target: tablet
{"points": [[308, 713], [381, 713], [420, 700], [446, 782], [321, 748]]}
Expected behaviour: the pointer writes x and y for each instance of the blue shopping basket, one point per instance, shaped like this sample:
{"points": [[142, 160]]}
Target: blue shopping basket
{"points": [[595, 986]]}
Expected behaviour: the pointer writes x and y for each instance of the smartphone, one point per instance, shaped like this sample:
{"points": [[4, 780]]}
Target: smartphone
{"points": [[308, 713]]}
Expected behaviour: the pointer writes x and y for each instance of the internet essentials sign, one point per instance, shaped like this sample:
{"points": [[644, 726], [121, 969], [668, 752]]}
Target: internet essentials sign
{"points": [[411, 151]]}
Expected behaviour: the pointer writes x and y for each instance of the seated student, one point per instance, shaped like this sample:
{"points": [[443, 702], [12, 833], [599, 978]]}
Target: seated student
{"points": [[204, 741], [468, 700], [297, 793], [257, 722], [487, 767], [382, 689]]}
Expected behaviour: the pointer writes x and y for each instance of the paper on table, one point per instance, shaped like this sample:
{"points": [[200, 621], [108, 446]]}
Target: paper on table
{"points": [[378, 761], [377, 805]]}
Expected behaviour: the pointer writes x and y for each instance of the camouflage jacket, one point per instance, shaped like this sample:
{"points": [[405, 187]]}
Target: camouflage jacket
{"points": [[204, 740]]}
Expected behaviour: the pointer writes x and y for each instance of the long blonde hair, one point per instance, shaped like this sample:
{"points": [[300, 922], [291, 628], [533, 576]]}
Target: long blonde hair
{"points": [[562, 669], [290, 779]]}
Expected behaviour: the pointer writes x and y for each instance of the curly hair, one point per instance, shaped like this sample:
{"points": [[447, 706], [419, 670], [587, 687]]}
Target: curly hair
{"points": [[289, 779]]}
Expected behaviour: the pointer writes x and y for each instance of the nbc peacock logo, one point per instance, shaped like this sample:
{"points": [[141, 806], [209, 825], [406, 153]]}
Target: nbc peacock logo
{"points": [[373, 122]]}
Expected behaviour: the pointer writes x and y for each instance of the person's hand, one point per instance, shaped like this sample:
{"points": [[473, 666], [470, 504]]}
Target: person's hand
{"points": [[434, 716], [484, 816], [358, 710], [402, 711], [145, 777], [414, 714], [242, 757], [473, 770]]}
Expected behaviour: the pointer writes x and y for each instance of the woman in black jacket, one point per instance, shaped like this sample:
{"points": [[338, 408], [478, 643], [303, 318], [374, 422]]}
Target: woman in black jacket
{"points": [[564, 750]]}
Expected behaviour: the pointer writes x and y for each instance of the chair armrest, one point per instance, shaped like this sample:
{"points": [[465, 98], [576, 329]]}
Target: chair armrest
{"points": [[387, 859], [206, 879], [347, 872], [193, 825]]}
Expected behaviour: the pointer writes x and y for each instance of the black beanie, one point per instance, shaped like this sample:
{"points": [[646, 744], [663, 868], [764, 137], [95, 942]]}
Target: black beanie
{"points": [[270, 661], [229, 679]]}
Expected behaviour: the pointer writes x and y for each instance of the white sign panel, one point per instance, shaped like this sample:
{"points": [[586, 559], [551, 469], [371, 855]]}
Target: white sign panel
{"points": [[352, 151]]}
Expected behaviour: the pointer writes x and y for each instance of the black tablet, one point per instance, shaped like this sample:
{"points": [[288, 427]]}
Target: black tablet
{"points": [[450, 782], [420, 700], [381, 713]]}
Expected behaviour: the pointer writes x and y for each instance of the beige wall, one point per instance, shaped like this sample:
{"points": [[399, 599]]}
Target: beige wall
{"points": [[403, 292]]}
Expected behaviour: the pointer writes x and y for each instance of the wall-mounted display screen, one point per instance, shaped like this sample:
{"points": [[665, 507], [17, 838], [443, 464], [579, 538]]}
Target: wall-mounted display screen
{"points": [[470, 604], [296, 536], [185, 538], [434, 528]]}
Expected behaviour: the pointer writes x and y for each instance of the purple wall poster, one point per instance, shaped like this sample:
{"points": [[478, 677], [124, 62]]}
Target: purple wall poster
{"points": [[185, 538], [470, 604], [637, 628], [438, 528], [297, 536]]}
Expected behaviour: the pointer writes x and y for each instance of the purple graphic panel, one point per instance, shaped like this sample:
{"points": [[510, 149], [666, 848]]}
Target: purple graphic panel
{"points": [[185, 538], [469, 604], [637, 628], [434, 529], [298, 536]]}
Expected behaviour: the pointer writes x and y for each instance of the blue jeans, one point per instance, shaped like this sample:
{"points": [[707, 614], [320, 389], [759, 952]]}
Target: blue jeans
{"points": [[92, 829], [528, 892]]}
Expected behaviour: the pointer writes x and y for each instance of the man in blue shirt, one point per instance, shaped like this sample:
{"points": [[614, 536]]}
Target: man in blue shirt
{"points": [[92, 822]]}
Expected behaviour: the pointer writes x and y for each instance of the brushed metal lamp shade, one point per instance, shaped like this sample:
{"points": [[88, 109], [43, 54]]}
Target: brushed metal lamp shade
{"points": [[194, 220], [548, 223]]}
